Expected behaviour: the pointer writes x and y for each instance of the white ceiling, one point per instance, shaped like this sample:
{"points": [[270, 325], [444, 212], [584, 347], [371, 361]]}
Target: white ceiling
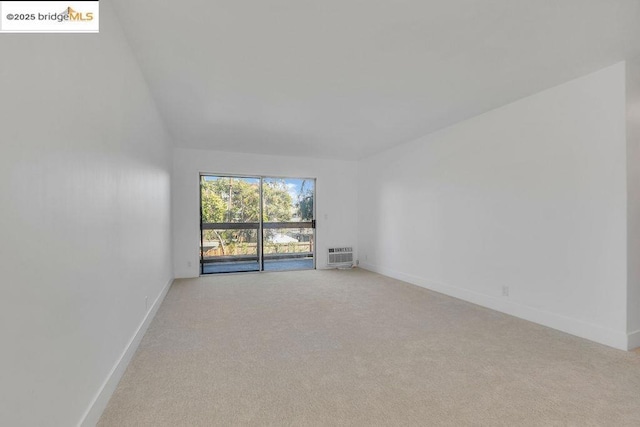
{"points": [[349, 78]]}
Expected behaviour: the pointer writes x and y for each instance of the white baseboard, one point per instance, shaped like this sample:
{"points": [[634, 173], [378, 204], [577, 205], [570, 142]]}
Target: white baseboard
{"points": [[611, 338], [633, 340], [99, 403]]}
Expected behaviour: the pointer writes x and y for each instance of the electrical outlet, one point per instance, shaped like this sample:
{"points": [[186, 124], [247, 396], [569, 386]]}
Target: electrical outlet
{"points": [[188, 263], [357, 262], [505, 291]]}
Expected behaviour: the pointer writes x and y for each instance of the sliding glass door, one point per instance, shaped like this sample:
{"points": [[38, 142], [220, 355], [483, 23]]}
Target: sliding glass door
{"points": [[230, 225], [288, 226], [256, 223]]}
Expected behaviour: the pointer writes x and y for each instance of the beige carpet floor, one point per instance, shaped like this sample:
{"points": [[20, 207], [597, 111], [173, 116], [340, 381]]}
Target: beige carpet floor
{"points": [[342, 348]]}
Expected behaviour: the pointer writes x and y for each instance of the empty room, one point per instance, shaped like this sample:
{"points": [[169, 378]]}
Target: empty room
{"points": [[305, 213]]}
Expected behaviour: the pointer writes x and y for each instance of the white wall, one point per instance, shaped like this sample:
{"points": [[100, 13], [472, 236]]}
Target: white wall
{"points": [[335, 197], [84, 220], [531, 196], [633, 191]]}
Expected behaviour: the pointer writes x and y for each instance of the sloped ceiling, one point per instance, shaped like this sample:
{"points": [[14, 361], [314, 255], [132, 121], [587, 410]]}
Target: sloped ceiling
{"points": [[349, 78]]}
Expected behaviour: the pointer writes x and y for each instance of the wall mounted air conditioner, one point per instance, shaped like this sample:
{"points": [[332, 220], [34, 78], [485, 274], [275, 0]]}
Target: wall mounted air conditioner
{"points": [[340, 257]]}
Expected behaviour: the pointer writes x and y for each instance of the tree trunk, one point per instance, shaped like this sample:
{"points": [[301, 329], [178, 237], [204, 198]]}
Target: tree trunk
{"points": [[221, 241]]}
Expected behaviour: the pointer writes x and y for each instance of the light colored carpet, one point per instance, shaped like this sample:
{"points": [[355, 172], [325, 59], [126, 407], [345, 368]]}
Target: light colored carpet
{"points": [[356, 348]]}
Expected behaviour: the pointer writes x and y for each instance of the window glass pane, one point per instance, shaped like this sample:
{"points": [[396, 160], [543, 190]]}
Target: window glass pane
{"points": [[230, 199], [288, 199]]}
